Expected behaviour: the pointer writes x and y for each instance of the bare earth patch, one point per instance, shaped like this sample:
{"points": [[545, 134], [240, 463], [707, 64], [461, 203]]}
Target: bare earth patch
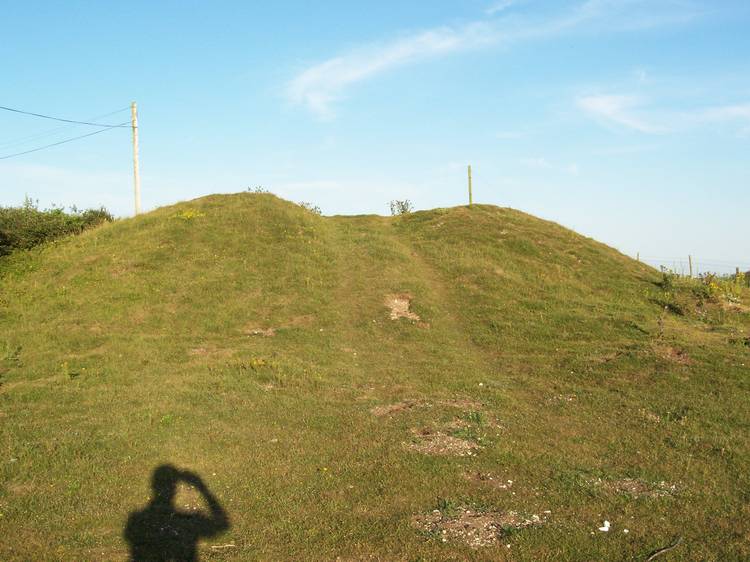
{"points": [[429, 442], [403, 406], [210, 352], [474, 528], [649, 416], [400, 307], [636, 488], [463, 404], [673, 354], [264, 332]]}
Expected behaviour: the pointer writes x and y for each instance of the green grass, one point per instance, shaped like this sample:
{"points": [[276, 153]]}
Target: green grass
{"points": [[129, 346]]}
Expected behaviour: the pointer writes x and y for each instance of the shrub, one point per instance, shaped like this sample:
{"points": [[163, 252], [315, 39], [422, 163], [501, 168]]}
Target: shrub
{"points": [[310, 207], [401, 207], [27, 226]]}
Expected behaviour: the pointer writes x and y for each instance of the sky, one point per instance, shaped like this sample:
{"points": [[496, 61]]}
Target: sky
{"points": [[626, 120]]}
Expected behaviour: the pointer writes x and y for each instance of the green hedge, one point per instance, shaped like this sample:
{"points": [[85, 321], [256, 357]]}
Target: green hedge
{"points": [[24, 227]]}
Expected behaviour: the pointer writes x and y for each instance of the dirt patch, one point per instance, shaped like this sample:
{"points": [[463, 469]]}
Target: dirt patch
{"points": [[429, 442], [636, 488], [472, 527], [398, 407], [400, 307], [264, 332], [735, 306], [463, 404], [649, 416], [674, 355], [489, 479], [20, 489], [209, 351]]}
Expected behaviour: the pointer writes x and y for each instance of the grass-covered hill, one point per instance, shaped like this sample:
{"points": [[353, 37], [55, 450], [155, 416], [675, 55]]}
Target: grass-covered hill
{"points": [[466, 383]]}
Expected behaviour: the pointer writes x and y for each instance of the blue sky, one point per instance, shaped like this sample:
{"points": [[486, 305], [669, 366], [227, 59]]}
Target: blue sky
{"points": [[627, 120]]}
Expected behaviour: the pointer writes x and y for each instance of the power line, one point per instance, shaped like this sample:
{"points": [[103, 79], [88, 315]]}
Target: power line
{"points": [[49, 132], [107, 128], [58, 118]]}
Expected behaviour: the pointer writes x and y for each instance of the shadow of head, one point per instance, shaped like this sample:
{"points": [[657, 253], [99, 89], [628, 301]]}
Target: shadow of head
{"points": [[161, 532]]}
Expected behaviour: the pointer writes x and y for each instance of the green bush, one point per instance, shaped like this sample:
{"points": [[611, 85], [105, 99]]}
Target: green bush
{"points": [[27, 226]]}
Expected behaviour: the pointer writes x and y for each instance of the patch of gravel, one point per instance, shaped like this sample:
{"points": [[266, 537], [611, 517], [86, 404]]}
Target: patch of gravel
{"points": [[475, 528], [636, 488], [429, 442], [398, 407], [561, 399], [264, 332], [649, 416], [400, 307], [489, 479]]}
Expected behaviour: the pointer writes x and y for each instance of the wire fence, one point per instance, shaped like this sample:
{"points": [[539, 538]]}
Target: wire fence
{"points": [[682, 265]]}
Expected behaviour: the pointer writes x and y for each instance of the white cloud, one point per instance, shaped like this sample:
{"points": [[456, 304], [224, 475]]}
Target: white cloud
{"points": [[739, 112], [618, 109], [536, 162], [641, 75], [540, 163], [499, 6], [320, 86], [628, 111]]}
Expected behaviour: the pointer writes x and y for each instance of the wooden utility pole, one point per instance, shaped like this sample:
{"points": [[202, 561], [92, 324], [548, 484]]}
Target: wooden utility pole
{"points": [[690, 263], [136, 171], [470, 199]]}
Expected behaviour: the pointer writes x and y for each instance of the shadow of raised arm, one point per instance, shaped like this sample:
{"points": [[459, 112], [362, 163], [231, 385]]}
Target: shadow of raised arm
{"points": [[162, 533]]}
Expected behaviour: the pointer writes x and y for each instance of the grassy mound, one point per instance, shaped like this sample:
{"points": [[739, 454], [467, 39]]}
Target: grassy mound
{"points": [[438, 385]]}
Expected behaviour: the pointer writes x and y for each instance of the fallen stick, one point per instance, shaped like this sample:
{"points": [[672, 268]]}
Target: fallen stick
{"points": [[222, 546], [661, 551]]}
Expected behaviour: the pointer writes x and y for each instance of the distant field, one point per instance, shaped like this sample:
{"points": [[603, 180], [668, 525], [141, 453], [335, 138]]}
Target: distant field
{"points": [[455, 384]]}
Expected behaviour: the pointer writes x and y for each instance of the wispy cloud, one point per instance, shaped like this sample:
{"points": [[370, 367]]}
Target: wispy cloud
{"points": [[321, 85], [617, 109], [535, 162], [499, 6], [539, 163], [739, 112], [631, 112]]}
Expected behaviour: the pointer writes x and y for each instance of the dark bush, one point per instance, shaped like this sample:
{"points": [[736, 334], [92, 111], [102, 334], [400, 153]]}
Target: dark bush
{"points": [[27, 226]]}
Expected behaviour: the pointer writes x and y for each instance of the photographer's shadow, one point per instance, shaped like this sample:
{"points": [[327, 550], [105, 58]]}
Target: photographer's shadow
{"points": [[160, 532]]}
